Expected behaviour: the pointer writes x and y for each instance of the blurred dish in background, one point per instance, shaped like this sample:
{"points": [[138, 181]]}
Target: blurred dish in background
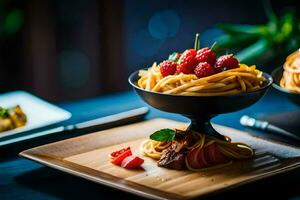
{"points": [[39, 113], [277, 75], [291, 75], [11, 118]]}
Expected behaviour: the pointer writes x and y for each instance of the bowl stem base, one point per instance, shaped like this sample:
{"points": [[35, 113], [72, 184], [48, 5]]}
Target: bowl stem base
{"points": [[203, 125]]}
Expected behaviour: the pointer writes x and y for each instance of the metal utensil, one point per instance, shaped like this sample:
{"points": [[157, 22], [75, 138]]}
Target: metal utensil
{"points": [[266, 126]]}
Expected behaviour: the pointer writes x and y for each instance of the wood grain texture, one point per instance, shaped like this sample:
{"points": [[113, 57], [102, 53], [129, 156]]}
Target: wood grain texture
{"points": [[87, 157]]}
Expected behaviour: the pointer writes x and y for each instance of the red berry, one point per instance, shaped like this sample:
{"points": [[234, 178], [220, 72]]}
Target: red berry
{"points": [[226, 62], [204, 69], [187, 61], [206, 55], [167, 68]]}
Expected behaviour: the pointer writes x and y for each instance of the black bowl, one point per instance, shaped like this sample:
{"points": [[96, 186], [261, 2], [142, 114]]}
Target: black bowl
{"points": [[277, 74], [200, 109]]}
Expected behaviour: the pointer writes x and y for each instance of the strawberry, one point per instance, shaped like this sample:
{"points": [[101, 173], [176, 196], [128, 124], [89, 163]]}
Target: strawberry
{"points": [[167, 68], [226, 62], [204, 69], [187, 61], [206, 55]]}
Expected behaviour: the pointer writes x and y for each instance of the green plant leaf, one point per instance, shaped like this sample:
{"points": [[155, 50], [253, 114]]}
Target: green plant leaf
{"points": [[227, 41], [163, 135], [236, 29], [286, 28], [249, 54], [269, 11]]}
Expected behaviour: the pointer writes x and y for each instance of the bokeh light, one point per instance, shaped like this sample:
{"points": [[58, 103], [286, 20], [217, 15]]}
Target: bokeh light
{"points": [[13, 21], [74, 69], [164, 24]]}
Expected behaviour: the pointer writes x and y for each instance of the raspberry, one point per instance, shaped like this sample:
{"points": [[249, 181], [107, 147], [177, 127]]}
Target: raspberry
{"points": [[204, 69], [206, 55], [187, 61], [167, 68], [226, 62]]}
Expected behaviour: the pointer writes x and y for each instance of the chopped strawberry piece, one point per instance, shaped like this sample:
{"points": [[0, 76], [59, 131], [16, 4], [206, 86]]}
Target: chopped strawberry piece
{"points": [[118, 160], [132, 162], [119, 152], [206, 55]]}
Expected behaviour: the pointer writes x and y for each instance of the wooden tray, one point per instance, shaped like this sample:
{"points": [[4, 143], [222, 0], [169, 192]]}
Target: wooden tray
{"points": [[87, 157]]}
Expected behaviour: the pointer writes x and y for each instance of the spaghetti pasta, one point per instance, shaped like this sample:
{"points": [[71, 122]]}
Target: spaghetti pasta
{"points": [[233, 81], [291, 76], [232, 150]]}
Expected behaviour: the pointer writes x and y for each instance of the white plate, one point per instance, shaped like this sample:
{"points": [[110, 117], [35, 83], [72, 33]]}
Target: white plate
{"points": [[39, 112]]}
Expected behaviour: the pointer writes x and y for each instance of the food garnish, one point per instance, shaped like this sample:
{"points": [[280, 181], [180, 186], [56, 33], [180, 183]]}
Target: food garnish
{"points": [[174, 57], [125, 159], [11, 118], [204, 69], [163, 135], [206, 55], [118, 160], [3, 112], [187, 62], [118, 152], [226, 62], [132, 162], [168, 68]]}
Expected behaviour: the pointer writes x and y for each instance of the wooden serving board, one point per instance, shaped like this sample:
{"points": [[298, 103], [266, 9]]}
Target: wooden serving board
{"points": [[87, 157]]}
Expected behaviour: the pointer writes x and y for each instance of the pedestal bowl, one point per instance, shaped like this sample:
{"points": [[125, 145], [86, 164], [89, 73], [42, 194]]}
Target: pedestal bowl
{"points": [[200, 109]]}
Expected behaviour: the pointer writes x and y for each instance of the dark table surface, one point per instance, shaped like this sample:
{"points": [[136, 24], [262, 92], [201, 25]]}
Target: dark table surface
{"points": [[24, 179]]}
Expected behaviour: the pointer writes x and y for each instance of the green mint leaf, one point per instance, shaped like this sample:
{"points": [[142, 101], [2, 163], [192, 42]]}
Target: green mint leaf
{"points": [[163, 135], [174, 57], [3, 112]]}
